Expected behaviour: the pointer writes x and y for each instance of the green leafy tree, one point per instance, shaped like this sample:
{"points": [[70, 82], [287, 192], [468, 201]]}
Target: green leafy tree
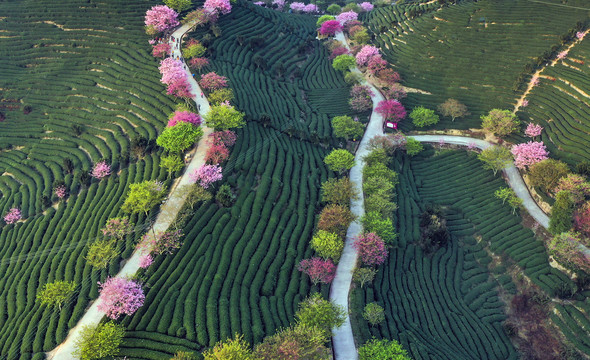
{"points": [[327, 245], [143, 196], [374, 314], [101, 253], [515, 203], [495, 158], [345, 127], [504, 194], [225, 197], [295, 342], [422, 116], [380, 204], [546, 174], [184, 355], [56, 293], [413, 146], [322, 19], [339, 160], [453, 109], [195, 50], [364, 275], [380, 170], [334, 9], [178, 5], [100, 341], [195, 194], [378, 185], [561, 218], [230, 349], [500, 122], [335, 219], [179, 137], [361, 37], [382, 350], [224, 117], [221, 95], [565, 249], [374, 222], [315, 311], [343, 62], [339, 191], [171, 163]]}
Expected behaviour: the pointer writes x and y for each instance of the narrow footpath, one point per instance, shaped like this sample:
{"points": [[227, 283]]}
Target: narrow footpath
{"points": [[166, 216]]}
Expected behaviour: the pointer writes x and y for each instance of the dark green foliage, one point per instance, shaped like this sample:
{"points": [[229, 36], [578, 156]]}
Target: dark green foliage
{"points": [[225, 197], [561, 218]]}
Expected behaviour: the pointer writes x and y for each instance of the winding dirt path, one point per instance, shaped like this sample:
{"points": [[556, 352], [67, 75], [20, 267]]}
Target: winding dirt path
{"points": [[166, 216]]}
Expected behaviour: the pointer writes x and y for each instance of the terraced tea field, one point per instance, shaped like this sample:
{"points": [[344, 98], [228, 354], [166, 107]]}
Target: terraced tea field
{"points": [[85, 71], [426, 296], [472, 51]]}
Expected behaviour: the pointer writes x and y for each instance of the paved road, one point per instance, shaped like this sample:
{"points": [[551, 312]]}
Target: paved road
{"points": [[166, 216]]}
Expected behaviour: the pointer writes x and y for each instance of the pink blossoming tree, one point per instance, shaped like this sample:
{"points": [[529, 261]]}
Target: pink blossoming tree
{"points": [[171, 70], [101, 169], [367, 52], [211, 81], [145, 261], [217, 153], [577, 186], [580, 35], [391, 110], [217, 6], [118, 227], [376, 64], [207, 175], [184, 116], [280, 4], [164, 243], [198, 63], [330, 27], [161, 18], [533, 130], [310, 9], [529, 153], [225, 137], [562, 55], [366, 6], [318, 269], [371, 249], [180, 88], [360, 98], [13, 215], [161, 50], [60, 191], [346, 17], [340, 50], [297, 6], [120, 296]]}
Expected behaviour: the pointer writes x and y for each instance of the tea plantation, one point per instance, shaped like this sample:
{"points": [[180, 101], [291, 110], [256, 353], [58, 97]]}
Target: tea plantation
{"points": [[86, 73], [426, 295], [472, 51]]}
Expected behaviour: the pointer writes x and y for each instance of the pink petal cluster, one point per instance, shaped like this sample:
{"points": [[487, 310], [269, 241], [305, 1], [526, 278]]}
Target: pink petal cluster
{"points": [[310, 8], [371, 249], [297, 6], [164, 243], [211, 81], [117, 227], [366, 6], [330, 27], [529, 153], [360, 98], [198, 63], [340, 50], [280, 4], [184, 116], [161, 50], [318, 269], [580, 35], [576, 185], [13, 215], [536, 81], [471, 145], [145, 261], [119, 296], [346, 17], [60, 191], [391, 110], [525, 103], [533, 130], [396, 91], [367, 53], [225, 137], [152, 41], [207, 175], [161, 17], [259, 3], [217, 6], [217, 153], [175, 77], [180, 88], [100, 170], [562, 55]]}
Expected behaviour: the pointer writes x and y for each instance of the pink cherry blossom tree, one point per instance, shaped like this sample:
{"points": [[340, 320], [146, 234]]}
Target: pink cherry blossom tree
{"points": [[161, 18], [13, 215], [533, 130], [161, 50], [297, 6], [391, 110], [171, 70], [580, 35], [145, 261], [211, 81], [371, 249], [360, 98], [330, 27], [198, 63], [163, 243], [217, 153], [367, 52], [280, 4], [225, 137], [529, 153], [346, 17], [207, 175], [217, 6], [60, 191], [318, 269], [340, 50], [310, 9], [100, 170], [562, 55], [180, 88], [118, 227], [366, 6], [120, 296], [184, 116], [376, 64]]}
